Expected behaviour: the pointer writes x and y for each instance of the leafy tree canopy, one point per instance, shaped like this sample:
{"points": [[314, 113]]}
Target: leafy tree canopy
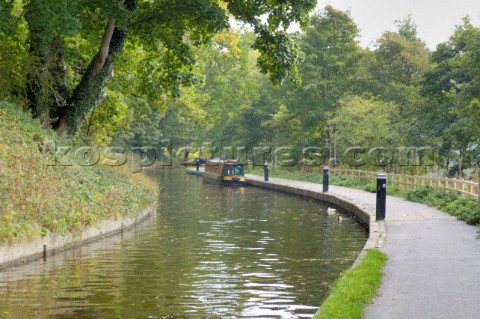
{"points": [[66, 83]]}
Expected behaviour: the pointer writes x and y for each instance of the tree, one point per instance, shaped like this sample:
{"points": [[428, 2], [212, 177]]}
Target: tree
{"points": [[236, 93], [13, 52], [331, 55], [452, 117], [393, 73], [171, 28], [363, 127]]}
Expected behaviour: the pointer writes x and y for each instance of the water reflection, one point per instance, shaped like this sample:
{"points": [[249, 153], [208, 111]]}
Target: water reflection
{"points": [[210, 252]]}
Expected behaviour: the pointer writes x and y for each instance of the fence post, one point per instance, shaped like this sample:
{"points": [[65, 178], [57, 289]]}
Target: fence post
{"points": [[478, 181]]}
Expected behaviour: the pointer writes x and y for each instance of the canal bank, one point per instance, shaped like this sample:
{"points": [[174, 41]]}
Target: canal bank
{"points": [[364, 214], [12, 254], [56, 193], [433, 258], [212, 251]]}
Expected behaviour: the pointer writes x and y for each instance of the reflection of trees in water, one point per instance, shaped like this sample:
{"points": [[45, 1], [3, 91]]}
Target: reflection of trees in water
{"points": [[212, 250]]}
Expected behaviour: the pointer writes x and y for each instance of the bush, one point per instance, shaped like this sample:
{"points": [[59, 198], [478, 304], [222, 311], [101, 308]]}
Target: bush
{"points": [[419, 194], [455, 204], [38, 197], [370, 187]]}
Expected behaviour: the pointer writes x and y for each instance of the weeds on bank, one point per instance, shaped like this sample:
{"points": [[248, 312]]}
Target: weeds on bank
{"points": [[355, 289], [463, 208], [38, 198]]}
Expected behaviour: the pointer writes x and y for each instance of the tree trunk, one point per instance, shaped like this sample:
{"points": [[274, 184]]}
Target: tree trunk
{"points": [[47, 82], [460, 168], [88, 93]]}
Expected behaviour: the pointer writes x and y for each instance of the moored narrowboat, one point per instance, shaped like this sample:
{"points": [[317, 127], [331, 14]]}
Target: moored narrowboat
{"points": [[229, 172]]}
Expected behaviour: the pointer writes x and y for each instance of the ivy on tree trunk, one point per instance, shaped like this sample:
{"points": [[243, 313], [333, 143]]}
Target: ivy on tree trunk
{"points": [[88, 92]]}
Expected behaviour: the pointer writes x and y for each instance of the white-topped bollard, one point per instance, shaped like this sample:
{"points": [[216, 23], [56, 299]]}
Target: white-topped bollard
{"points": [[265, 171]]}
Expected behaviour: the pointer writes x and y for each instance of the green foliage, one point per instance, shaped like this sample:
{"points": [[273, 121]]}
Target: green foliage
{"points": [[14, 60], [341, 180], [366, 124], [297, 116], [355, 289], [331, 56], [174, 70], [393, 73], [114, 114], [451, 118], [371, 187], [48, 19], [463, 208], [278, 54], [39, 197], [234, 95], [278, 50], [68, 72]]}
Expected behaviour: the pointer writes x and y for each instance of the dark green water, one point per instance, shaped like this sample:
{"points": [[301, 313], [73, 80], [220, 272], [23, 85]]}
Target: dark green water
{"points": [[209, 252]]}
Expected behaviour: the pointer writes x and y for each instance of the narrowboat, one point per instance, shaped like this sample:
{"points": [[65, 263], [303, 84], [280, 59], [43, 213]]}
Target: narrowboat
{"points": [[229, 172]]}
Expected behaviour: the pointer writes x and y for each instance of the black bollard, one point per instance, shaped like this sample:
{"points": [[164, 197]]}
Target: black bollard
{"points": [[325, 178], [381, 196], [265, 171], [198, 165]]}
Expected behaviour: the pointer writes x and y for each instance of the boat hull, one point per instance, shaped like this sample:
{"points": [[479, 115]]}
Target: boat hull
{"points": [[225, 180]]}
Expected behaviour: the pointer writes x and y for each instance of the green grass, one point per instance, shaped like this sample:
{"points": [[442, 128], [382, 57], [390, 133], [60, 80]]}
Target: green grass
{"points": [[40, 198], [355, 289]]}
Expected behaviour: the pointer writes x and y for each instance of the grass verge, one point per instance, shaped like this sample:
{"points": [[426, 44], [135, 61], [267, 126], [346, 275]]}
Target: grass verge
{"points": [[355, 289]]}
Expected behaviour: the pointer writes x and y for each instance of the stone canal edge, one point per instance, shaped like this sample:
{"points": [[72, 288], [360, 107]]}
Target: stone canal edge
{"points": [[12, 254], [363, 214]]}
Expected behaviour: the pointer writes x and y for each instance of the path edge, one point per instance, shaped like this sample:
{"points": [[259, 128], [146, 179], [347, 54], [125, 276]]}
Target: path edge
{"points": [[363, 214]]}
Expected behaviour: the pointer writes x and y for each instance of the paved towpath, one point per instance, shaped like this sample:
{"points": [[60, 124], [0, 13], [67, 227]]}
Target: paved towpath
{"points": [[433, 267]]}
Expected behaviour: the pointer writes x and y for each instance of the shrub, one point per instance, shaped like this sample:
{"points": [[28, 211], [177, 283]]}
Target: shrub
{"points": [[38, 197], [463, 208], [370, 187]]}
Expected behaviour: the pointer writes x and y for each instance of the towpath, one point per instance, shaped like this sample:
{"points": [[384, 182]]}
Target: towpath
{"points": [[433, 267]]}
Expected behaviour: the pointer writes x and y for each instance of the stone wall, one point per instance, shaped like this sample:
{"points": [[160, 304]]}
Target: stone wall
{"points": [[21, 252]]}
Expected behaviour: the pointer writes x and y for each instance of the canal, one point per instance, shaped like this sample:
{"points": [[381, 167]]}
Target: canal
{"points": [[209, 252]]}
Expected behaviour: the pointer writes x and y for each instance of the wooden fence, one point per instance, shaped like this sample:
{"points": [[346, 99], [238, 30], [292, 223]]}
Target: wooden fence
{"points": [[406, 182]]}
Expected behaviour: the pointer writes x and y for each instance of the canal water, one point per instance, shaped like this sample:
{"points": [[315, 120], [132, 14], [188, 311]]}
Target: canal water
{"points": [[209, 252]]}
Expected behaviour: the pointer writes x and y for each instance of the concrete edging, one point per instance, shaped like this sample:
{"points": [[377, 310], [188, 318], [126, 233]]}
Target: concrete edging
{"points": [[364, 215], [17, 253]]}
